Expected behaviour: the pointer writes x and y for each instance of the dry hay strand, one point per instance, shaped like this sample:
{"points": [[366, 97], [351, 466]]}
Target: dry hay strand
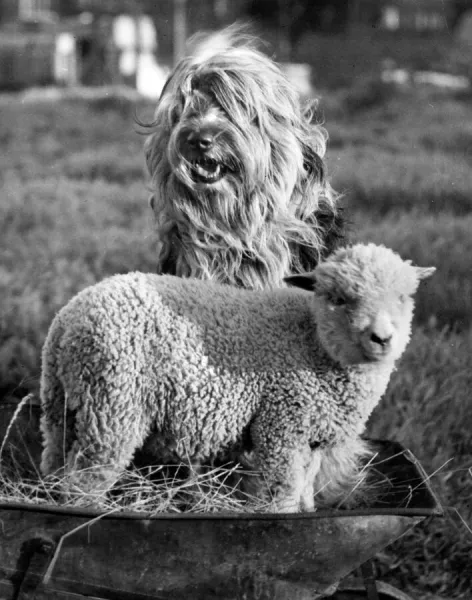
{"points": [[13, 420], [151, 491], [154, 490]]}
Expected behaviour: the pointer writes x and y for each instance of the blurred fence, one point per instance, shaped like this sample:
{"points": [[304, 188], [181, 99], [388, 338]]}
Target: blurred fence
{"points": [[26, 60]]}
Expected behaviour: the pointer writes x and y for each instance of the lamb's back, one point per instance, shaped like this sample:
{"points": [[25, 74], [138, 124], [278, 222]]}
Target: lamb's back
{"points": [[230, 326], [152, 322]]}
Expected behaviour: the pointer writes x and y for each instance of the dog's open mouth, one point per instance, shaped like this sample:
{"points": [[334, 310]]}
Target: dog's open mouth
{"points": [[207, 170]]}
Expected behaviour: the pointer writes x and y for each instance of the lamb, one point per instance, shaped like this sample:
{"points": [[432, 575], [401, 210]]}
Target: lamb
{"points": [[199, 366]]}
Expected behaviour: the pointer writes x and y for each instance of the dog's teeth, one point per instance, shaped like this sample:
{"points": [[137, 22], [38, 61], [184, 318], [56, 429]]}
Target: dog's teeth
{"points": [[207, 170]]}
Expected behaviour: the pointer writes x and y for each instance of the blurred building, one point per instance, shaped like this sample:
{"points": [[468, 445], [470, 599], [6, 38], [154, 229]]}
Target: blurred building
{"points": [[96, 42], [409, 15]]}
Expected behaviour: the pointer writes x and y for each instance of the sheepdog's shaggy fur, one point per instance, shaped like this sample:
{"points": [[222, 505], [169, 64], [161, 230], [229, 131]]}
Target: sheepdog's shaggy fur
{"points": [[199, 366], [239, 186]]}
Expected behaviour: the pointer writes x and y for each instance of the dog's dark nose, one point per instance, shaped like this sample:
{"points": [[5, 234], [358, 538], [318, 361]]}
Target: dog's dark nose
{"points": [[200, 140]]}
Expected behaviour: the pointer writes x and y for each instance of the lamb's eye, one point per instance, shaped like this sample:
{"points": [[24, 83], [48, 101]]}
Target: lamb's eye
{"points": [[337, 300], [402, 298]]}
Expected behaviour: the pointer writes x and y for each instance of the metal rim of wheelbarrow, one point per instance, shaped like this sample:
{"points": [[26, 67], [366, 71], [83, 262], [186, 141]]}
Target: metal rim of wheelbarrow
{"points": [[319, 514]]}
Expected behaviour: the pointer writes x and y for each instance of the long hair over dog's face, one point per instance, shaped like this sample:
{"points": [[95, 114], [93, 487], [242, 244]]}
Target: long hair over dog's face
{"points": [[236, 168]]}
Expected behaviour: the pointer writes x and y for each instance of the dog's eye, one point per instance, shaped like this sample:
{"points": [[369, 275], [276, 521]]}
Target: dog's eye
{"points": [[175, 115]]}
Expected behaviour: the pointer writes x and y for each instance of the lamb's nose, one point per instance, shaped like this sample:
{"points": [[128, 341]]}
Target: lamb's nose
{"points": [[381, 341], [200, 140]]}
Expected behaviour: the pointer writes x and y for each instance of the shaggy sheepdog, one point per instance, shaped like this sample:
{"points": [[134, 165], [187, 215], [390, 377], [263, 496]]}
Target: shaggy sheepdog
{"points": [[239, 187]]}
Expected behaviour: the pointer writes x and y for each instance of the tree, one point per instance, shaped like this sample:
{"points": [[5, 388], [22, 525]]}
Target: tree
{"points": [[296, 17], [458, 9]]}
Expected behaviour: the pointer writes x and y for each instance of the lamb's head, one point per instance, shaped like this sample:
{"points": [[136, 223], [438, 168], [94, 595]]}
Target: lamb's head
{"points": [[363, 302]]}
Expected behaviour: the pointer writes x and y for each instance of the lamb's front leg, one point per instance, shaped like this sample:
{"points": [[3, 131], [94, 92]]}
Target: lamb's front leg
{"points": [[284, 458], [312, 468]]}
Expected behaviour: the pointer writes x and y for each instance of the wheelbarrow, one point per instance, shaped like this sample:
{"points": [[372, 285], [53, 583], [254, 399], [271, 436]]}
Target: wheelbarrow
{"points": [[49, 552]]}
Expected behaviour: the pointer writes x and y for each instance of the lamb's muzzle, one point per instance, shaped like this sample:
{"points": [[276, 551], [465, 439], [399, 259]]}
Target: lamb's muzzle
{"points": [[378, 337]]}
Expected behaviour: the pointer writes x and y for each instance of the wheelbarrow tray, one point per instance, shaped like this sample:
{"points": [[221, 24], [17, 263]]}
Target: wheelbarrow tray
{"points": [[51, 552]]}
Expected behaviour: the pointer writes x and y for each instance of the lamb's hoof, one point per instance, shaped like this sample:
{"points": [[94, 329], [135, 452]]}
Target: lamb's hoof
{"points": [[308, 505], [287, 506]]}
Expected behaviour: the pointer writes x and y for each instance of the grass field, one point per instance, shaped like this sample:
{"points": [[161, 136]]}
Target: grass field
{"points": [[73, 209]]}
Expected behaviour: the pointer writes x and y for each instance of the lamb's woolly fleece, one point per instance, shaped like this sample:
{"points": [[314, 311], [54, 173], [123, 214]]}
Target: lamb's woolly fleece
{"points": [[197, 364]]}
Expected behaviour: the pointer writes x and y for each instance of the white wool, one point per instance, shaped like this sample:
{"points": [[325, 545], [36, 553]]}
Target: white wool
{"points": [[197, 368]]}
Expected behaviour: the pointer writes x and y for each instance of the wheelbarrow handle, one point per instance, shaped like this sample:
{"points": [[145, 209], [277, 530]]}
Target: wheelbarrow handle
{"points": [[38, 555], [368, 576]]}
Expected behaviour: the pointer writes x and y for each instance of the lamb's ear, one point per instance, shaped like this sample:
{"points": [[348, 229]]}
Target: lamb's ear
{"points": [[424, 272], [305, 281]]}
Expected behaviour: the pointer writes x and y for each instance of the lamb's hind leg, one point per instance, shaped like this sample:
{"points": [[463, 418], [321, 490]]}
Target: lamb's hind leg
{"points": [[102, 449], [57, 427], [56, 420]]}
